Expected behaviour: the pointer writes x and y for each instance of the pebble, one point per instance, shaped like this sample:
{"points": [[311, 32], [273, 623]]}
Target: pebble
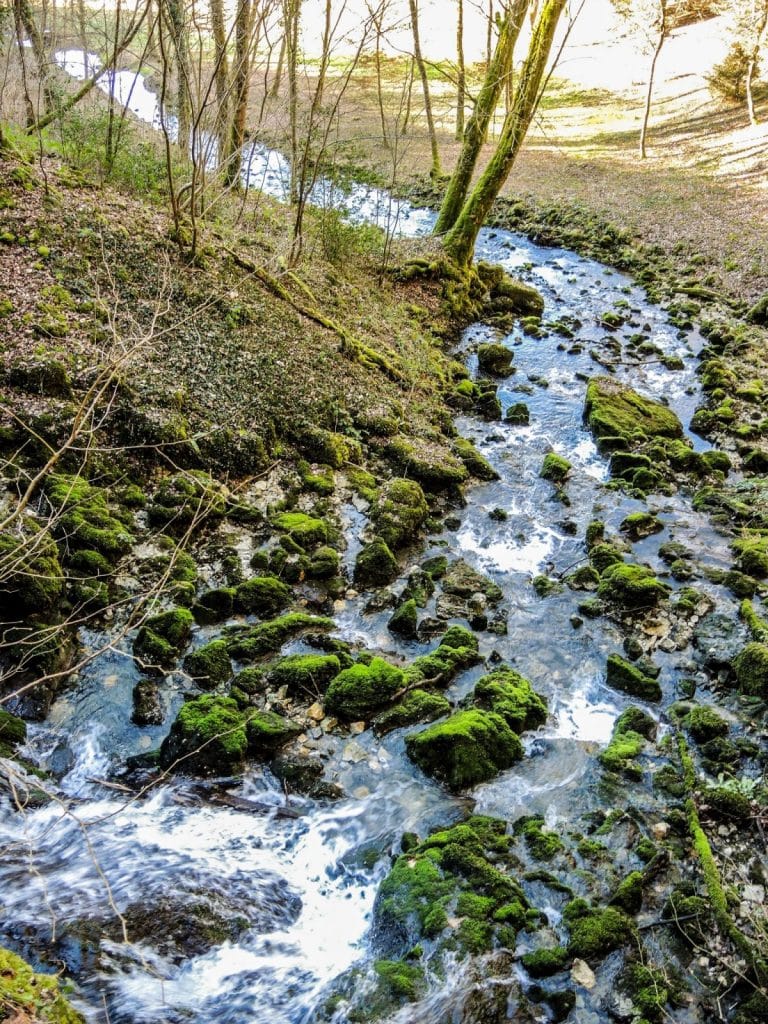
{"points": [[660, 830], [353, 752], [329, 724], [356, 728], [582, 974], [316, 713], [361, 792]]}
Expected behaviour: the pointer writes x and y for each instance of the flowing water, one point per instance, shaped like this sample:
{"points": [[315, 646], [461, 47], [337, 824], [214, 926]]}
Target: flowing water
{"points": [[305, 882]]}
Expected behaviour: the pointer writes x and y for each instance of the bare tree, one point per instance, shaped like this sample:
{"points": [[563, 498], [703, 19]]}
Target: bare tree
{"points": [[650, 19], [436, 169], [461, 71]]}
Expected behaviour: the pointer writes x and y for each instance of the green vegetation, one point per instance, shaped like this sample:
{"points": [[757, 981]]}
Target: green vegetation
{"points": [[209, 665], [261, 595], [469, 747], [162, 638], [305, 674], [363, 689], [25, 995], [623, 675]]}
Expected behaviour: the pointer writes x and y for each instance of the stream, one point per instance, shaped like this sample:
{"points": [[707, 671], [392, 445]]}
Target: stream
{"points": [[306, 883]]}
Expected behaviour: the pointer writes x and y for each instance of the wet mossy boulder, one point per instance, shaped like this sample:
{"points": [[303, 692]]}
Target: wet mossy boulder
{"points": [[468, 748], [209, 736], [614, 410], [477, 464], [495, 359], [162, 638], [456, 887], [641, 524], [595, 932], [267, 637], [214, 605], [461, 580], [704, 723], [209, 665], [752, 555], [405, 620], [31, 580], [623, 675], [518, 415], [307, 531], [84, 518], [555, 468], [262, 595], [187, 498], [375, 565], [543, 844], [13, 732], [29, 997], [633, 727], [267, 732], [330, 448], [324, 564], [147, 705], [542, 963], [429, 461], [512, 696], [604, 554], [631, 586], [751, 668], [510, 295], [458, 649], [399, 512], [362, 690], [415, 707], [306, 675]]}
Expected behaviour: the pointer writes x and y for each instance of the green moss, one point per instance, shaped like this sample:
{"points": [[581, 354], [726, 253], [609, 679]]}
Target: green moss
{"points": [[457, 649], [728, 803], [214, 605], [555, 468], [431, 462], [267, 732], [403, 980], [305, 674], [751, 668], [752, 555], [330, 448], [27, 996], [518, 415], [641, 524], [270, 636], [583, 578], [614, 410], [375, 565], [405, 620], [623, 675], [542, 963], [631, 586], [417, 706], [209, 735], [399, 512], [758, 626], [596, 932], [476, 463], [619, 756], [13, 731], [704, 723], [495, 359], [305, 530], [358, 692], [209, 665], [84, 519], [634, 719], [510, 695], [324, 564], [262, 595], [648, 989], [603, 555], [187, 498], [163, 637], [542, 845], [469, 747], [628, 895], [31, 577]]}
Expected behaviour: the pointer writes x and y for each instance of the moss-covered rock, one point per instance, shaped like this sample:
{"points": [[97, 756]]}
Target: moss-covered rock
{"points": [[305, 674], [461, 580], [324, 564], [209, 665], [208, 736], [613, 409], [31, 577], [511, 295], [267, 637], [330, 448], [631, 586], [162, 638], [362, 690], [495, 359], [555, 468], [543, 844], [641, 524], [415, 707], [13, 732], [477, 464], [306, 531], [29, 997], [517, 415], [399, 512], [512, 696], [267, 732], [404, 622], [214, 605], [262, 595], [704, 723], [431, 462], [752, 555], [595, 932], [620, 754], [375, 565], [542, 963], [84, 519], [623, 675], [469, 747], [458, 649], [751, 668], [187, 498], [628, 894]]}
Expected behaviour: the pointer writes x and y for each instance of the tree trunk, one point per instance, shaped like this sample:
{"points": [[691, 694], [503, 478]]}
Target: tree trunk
{"points": [[239, 91], [461, 73], [221, 69], [179, 34], [26, 19], [408, 99], [752, 66], [436, 169], [651, 76], [291, 21], [275, 90], [477, 126], [460, 242]]}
